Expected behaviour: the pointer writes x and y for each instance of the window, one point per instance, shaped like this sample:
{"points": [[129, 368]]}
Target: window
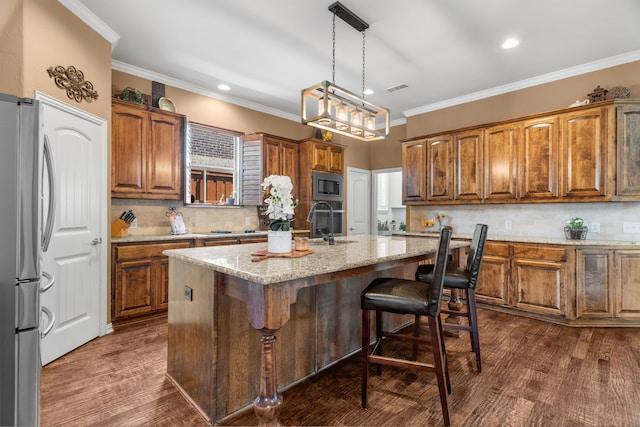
{"points": [[212, 165]]}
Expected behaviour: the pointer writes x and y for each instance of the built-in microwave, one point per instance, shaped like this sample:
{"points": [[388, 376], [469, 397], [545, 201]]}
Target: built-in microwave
{"points": [[327, 186]]}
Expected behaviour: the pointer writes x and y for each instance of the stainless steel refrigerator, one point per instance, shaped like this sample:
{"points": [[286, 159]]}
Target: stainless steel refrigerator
{"points": [[26, 209]]}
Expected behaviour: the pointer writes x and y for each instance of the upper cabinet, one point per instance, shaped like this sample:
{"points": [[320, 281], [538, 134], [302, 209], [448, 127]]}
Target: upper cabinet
{"points": [[263, 155], [627, 121], [320, 156], [501, 162], [583, 154], [414, 166], [539, 159], [146, 152], [584, 139]]}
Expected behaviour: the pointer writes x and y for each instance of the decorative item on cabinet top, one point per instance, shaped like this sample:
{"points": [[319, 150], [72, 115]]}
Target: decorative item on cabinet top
{"points": [[598, 94]]}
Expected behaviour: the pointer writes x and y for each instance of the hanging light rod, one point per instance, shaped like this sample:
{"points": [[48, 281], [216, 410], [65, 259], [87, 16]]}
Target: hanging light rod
{"points": [[332, 108], [349, 17]]}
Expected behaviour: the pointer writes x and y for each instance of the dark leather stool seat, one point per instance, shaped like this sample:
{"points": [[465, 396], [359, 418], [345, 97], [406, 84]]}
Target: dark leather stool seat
{"points": [[464, 279], [402, 296]]}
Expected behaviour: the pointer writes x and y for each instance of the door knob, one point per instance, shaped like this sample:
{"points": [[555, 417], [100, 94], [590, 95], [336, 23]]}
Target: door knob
{"points": [[351, 229], [96, 241]]}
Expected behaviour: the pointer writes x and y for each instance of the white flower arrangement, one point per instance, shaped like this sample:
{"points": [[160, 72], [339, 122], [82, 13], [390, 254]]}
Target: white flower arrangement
{"points": [[280, 203]]}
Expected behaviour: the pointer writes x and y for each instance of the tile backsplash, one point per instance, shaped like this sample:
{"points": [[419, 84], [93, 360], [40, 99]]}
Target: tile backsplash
{"points": [[534, 220], [152, 216]]}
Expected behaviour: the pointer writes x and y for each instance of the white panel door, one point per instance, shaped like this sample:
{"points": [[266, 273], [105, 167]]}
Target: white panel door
{"points": [[358, 201], [77, 252]]}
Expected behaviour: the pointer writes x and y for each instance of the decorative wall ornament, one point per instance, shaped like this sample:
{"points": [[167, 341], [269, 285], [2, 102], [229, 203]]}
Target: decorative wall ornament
{"points": [[72, 80]]}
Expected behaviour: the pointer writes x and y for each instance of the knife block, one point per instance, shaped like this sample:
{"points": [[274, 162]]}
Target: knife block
{"points": [[119, 228]]}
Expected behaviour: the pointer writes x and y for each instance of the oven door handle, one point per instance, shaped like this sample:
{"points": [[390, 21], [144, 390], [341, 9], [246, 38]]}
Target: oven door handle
{"points": [[328, 211]]}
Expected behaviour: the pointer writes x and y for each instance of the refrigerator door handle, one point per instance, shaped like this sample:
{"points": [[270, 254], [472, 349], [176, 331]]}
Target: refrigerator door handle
{"points": [[52, 321], [51, 211], [48, 286]]}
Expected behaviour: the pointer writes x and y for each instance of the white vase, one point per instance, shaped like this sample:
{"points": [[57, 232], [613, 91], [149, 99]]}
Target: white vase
{"points": [[279, 242]]}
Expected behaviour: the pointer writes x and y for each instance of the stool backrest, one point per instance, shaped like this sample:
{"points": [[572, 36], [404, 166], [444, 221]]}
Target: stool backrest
{"points": [[475, 253], [442, 255]]}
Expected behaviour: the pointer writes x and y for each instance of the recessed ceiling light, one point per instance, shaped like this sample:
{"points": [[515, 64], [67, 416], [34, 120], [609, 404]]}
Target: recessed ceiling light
{"points": [[369, 92], [224, 87], [510, 43]]}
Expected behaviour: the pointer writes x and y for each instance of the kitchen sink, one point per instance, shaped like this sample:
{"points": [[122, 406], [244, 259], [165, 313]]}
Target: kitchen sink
{"points": [[324, 242]]}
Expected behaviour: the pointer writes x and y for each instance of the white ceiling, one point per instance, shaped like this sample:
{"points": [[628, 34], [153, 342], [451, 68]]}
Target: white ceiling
{"points": [[446, 51]]}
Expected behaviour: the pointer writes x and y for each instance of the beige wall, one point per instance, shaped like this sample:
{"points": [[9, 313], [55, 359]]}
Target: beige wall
{"points": [[537, 99], [11, 52]]}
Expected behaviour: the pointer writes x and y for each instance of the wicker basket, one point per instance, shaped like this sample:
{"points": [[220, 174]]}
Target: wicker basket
{"points": [[575, 234]]}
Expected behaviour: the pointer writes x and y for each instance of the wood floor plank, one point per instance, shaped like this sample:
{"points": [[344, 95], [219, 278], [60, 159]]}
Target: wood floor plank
{"points": [[534, 374]]}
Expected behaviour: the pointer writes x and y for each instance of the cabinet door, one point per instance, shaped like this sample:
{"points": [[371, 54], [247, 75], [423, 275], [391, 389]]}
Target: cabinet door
{"points": [[439, 169], [493, 281], [161, 293], [628, 284], [414, 171], [271, 157], [289, 162], [594, 297], [500, 154], [134, 282], [539, 159], [164, 166], [628, 135], [320, 157], [129, 135], [584, 139], [336, 159], [539, 279], [468, 165]]}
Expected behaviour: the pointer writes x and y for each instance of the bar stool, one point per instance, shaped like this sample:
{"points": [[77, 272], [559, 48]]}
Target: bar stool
{"points": [[464, 279], [403, 296]]}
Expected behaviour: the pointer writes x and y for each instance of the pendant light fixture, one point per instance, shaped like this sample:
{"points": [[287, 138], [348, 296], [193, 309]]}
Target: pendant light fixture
{"points": [[330, 107]]}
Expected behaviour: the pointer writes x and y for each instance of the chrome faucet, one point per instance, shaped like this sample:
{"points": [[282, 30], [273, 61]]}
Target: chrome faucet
{"points": [[328, 238]]}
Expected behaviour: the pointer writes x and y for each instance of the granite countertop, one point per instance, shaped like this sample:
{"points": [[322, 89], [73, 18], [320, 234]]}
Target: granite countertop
{"points": [[348, 253], [529, 239], [190, 236]]}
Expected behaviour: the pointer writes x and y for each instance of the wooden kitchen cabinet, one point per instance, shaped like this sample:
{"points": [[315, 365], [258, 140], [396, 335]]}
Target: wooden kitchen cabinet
{"points": [[140, 278], [584, 154], [532, 278], [608, 285], [539, 160], [319, 156], [500, 167], [147, 147], [468, 154], [414, 168], [628, 142], [581, 154], [264, 155], [440, 168]]}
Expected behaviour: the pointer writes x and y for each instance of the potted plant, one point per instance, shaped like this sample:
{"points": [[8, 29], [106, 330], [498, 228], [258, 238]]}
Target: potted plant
{"points": [[575, 229], [280, 206]]}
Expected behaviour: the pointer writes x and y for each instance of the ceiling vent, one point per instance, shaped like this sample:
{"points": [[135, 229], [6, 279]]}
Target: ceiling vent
{"points": [[397, 88]]}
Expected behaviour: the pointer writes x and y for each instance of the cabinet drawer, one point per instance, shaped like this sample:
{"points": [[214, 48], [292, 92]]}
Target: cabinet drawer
{"points": [[496, 249], [540, 253], [147, 250]]}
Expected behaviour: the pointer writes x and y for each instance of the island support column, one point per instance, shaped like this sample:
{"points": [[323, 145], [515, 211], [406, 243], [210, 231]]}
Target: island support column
{"points": [[268, 404]]}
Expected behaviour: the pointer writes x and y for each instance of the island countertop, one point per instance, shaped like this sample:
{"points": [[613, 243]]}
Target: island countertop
{"points": [[347, 253]]}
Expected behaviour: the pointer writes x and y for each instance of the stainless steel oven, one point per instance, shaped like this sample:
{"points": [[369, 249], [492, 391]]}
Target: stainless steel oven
{"points": [[327, 187], [321, 222]]}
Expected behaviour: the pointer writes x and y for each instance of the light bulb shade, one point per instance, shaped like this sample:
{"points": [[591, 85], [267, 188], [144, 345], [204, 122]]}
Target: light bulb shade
{"points": [[356, 122], [340, 121], [323, 111]]}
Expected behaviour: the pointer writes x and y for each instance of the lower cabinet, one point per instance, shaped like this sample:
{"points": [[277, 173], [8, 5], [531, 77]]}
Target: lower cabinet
{"points": [[532, 278], [140, 278], [608, 284]]}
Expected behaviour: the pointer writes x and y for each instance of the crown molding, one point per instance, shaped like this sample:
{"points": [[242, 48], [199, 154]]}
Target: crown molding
{"points": [[89, 18], [534, 81], [181, 84]]}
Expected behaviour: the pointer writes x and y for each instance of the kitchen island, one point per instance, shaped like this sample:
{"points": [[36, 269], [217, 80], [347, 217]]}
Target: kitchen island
{"points": [[312, 303]]}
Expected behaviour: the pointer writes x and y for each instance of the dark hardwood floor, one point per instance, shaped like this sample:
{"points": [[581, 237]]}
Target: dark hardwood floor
{"points": [[534, 374]]}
